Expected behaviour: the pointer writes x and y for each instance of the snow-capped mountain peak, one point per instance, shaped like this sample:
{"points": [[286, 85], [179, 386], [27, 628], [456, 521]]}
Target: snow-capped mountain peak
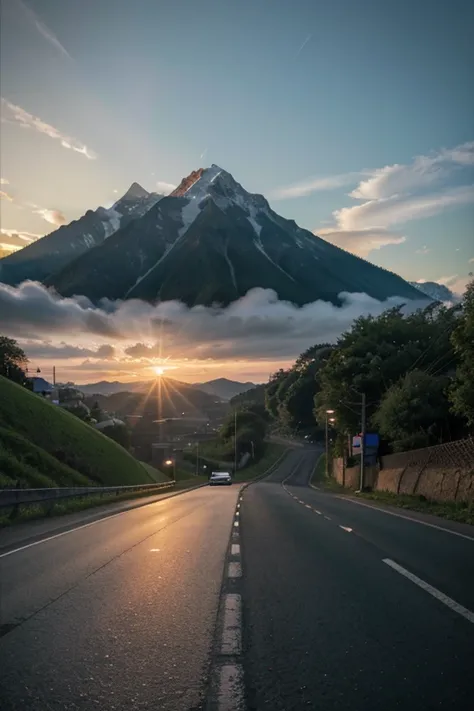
{"points": [[135, 192]]}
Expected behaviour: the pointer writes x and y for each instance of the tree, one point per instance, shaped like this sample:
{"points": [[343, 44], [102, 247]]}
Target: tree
{"points": [[462, 391], [415, 412], [119, 433], [271, 391], [96, 412], [13, 360], [296, 411], [376, 353]]}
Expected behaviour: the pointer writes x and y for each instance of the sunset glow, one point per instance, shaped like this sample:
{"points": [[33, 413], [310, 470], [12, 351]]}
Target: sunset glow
{"points": [[158, 370]]}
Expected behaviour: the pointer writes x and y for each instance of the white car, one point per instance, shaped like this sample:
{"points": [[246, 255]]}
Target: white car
{"points": [[220, 478]]}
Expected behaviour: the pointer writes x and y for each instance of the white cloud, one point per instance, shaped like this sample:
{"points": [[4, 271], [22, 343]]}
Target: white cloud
{"points": [[423, 250], [15, 114], [164, 188], [303, 45], [456, 283], [397, 194], [256, 326], [425, 171], [5, 196], [471, 261], [16, 239], [361, 242], [47, 33], [4, 181], [313, 185], [55, 217], [397, 210]]}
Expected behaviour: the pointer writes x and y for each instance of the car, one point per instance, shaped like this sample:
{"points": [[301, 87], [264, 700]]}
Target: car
{"points": [[220, 478]]}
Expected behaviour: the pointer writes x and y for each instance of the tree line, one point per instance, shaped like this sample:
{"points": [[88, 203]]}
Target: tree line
{"points": [[416, 371]]}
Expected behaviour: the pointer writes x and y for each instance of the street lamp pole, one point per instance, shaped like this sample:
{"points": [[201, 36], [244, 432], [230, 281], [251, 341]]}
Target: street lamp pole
{"points": [[328, 412], [362, 443]]}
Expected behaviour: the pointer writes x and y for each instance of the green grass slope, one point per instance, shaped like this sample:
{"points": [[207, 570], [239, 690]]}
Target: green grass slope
{"points": [[84, 455]]}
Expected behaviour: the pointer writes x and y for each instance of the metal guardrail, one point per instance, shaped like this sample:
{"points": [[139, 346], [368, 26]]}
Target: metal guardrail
{"points": [[14, 498]]}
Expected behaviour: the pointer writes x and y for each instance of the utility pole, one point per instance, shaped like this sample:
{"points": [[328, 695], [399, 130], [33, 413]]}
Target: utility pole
{"points": [[362, 444], [328, 412], [235, 441], [327, 446], [197, 458]]}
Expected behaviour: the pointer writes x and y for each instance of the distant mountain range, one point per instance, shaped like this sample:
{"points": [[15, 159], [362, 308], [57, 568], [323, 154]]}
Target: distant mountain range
{"points": [[208, 242], [438, 292], [223, 388], [51, 253], [153, 399]]}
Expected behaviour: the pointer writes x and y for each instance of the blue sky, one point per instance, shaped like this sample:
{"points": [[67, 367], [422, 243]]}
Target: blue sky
{"points": [[353, 117]]}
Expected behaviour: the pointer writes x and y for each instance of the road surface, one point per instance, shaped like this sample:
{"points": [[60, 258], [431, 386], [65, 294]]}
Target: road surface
{"points": [[276, 596]]}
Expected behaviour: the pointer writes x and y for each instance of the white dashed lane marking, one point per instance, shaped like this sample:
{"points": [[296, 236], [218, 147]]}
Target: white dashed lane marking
{"points": [[234, 570], [448, 601], [235, 549], [232, 632]]}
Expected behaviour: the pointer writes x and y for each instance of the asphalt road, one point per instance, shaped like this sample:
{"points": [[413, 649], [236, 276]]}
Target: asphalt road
{"points": [[328, 624], [120, 614], [283, 603]]}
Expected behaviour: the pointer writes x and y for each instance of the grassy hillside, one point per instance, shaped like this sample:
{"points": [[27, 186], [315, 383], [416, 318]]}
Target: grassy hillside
{"points": [[81, 453]]}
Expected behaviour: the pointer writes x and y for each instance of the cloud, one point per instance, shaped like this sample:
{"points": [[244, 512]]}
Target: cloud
{"points": [[397, 194], [361, 242], [423, 172], [5, 196], [257, 326], [4, 181], [399, 210], [303, 45], [15, 239], [55, 217], [17, 115], [62, 351], [471, 260], [43, 29], [165, 188], [423, 250], [313, 185], [455, 283], [201, 157]]}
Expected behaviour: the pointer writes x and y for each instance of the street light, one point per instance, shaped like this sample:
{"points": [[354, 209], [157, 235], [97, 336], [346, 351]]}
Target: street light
{"points": [[328, 412], [172, 462]]}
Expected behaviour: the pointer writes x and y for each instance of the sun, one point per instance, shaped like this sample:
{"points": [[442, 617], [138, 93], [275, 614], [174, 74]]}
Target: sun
{"points": [[159, 370]]}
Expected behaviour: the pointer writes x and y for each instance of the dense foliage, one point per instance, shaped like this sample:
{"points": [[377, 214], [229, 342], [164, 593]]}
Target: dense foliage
{"points": [[13, 361], [416, 370]]}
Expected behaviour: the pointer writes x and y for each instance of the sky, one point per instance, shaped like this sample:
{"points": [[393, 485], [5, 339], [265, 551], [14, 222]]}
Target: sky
{"points": [[355, 119]]}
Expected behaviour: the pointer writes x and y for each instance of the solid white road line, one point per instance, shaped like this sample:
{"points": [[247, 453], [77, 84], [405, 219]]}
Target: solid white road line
{"points": [[232, 632], [408, 518], [235, 549], [63, 533], [234, 570], [231, 688], [449, 602]]}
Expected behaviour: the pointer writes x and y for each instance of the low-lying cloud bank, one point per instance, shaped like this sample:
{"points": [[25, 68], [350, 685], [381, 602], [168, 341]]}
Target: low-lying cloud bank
{"points": [[258, 325]]}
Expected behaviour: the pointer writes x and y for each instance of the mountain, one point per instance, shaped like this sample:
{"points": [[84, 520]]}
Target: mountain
{"points": [[254, 395], [211, 241], [224, 388], [159, 398], [438, 292], [51, 253]]}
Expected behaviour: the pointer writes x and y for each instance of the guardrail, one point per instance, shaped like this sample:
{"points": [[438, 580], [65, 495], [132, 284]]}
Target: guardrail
{"points": [[15, 498]]}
